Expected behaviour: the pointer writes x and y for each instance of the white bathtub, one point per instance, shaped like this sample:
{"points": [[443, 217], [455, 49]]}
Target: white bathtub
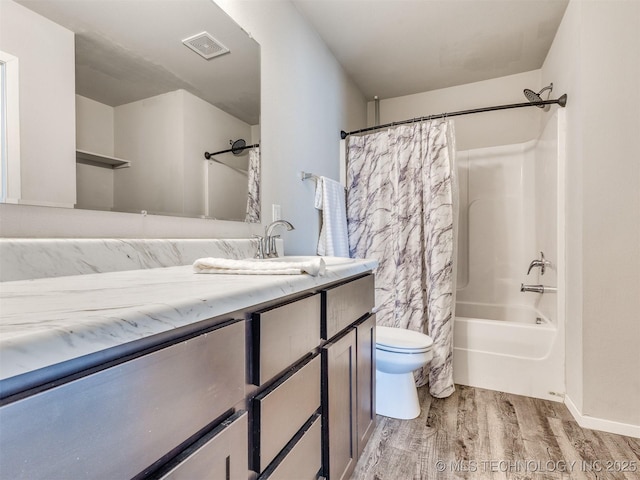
{"points": [[512, 349]]}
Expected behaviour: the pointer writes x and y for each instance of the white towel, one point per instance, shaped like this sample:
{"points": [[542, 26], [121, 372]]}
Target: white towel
{"points": [[330, 198], [313, 267]]}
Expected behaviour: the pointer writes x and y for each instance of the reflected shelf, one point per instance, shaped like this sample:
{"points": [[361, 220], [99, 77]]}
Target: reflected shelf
{"points": [[99, 160]]}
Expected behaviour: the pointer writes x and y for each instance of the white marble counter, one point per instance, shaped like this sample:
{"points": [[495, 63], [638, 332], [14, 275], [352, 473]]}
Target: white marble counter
{"points": [[51, 320]]}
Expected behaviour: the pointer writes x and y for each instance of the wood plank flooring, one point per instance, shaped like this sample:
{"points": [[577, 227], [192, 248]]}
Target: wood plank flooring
{"points": [[482, 434]]}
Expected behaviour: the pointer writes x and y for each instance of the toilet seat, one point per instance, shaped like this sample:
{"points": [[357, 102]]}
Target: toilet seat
{"points": [[401, 340]]}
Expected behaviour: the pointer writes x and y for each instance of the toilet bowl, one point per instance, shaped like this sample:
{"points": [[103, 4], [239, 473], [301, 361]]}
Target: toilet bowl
{"points": [[398, 353]]}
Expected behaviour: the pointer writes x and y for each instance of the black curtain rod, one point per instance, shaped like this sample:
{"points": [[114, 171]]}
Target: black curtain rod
{"points": [[208, 155], [562, 101]]}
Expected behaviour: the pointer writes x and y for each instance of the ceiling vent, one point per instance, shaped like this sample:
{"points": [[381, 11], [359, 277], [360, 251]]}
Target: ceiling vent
{"points": [[205, 45]]}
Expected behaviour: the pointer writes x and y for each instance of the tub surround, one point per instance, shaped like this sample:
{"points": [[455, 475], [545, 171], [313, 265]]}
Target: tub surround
{"points": [[514, 192], [48, 321]]}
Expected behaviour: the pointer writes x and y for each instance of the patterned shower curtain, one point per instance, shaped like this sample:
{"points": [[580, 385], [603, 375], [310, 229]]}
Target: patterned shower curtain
{"points": [[401, 211], [253, 197]]}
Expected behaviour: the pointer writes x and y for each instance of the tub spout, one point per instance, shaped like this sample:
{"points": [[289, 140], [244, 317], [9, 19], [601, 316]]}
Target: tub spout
{"points": [[537, 288], [532, 288]]}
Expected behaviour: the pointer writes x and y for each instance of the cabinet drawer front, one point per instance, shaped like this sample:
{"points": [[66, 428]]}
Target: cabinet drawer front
{"points": [[283, 335], [222, 454], [282, 410], [304, 459], [346, 303], [116, 422]]}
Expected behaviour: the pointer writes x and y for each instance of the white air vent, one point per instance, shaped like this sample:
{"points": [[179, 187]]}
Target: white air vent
{"points": [[205, 45]]}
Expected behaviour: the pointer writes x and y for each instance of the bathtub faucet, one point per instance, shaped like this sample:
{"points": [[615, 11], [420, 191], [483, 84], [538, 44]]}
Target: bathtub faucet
{"points": [[541, 262], [537, 288]]}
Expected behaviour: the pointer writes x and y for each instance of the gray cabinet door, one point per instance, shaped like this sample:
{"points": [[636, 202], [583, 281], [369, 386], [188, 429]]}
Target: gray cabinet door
{"points": [[365, 380], [339, 406]]}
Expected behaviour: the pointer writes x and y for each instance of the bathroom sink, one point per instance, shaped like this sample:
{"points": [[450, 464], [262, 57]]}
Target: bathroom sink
{"points": [[328, 261]]}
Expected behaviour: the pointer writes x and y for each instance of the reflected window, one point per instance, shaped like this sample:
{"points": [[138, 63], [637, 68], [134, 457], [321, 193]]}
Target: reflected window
{"points": [[9, 129]]}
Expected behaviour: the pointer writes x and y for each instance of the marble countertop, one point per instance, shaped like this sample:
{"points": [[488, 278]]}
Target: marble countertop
{"points": [[47, 321]]}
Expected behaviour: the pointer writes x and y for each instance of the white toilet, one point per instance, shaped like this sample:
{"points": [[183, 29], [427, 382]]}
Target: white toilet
{"points": [[398, 353]]}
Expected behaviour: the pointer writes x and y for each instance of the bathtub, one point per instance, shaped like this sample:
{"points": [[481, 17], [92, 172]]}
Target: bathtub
{"points": [[509, 348]]}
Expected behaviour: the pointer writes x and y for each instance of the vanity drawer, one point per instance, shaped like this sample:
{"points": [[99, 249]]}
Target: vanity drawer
{"points": [[280, 411], [220, 454], [116, 422], [302, 459], [346, 303], [283, 335]]}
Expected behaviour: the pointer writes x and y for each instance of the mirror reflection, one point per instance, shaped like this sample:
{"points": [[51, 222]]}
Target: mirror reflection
{"points": [[157, 84]]}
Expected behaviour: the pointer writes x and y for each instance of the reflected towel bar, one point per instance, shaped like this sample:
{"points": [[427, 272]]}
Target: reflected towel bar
{"points": [[239, 170]]}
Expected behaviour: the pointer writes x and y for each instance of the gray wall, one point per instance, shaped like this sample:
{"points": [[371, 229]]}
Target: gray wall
{"points": [[47, 115], [306, 100], [490, 129], [594, 58]]}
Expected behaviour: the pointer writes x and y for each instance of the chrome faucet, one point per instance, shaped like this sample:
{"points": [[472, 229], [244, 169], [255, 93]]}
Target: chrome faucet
{"points": [[541, 262], [267, 244]]}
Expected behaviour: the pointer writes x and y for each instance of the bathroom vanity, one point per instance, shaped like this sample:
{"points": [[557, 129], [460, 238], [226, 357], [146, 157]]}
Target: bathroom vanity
{"points": [[163, 373]]}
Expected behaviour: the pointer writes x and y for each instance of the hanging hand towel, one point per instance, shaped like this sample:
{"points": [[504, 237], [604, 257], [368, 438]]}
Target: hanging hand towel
{"points": [[228, 266], [330, 198]]}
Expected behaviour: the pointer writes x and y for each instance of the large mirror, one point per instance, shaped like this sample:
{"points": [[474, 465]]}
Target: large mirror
{"points": [[157, 84]]}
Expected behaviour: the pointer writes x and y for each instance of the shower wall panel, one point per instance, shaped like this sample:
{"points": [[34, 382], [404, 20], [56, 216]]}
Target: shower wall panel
{"points": [[508, 215], [497, 234]]}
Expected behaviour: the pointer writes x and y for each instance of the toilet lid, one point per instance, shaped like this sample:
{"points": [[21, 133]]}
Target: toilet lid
{"points": [[401, 339]]}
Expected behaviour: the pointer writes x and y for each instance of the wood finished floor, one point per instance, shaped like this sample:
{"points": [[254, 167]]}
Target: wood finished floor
{"points": [[480, 434]]}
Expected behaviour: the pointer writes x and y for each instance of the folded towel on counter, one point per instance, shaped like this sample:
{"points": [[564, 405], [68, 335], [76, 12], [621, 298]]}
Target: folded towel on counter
{"points": [[330, 198], [228, 266]]}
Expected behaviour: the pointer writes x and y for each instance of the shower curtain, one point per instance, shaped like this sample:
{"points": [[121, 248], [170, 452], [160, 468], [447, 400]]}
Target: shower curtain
{"points": [[253, 197], [401, 211]]}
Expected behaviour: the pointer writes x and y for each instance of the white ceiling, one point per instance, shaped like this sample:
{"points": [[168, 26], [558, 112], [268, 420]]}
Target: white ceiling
{"points": [[392, 48]]}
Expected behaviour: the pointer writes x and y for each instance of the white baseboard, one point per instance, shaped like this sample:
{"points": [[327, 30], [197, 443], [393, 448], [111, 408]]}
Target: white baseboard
{"points": [[601, 424]]}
